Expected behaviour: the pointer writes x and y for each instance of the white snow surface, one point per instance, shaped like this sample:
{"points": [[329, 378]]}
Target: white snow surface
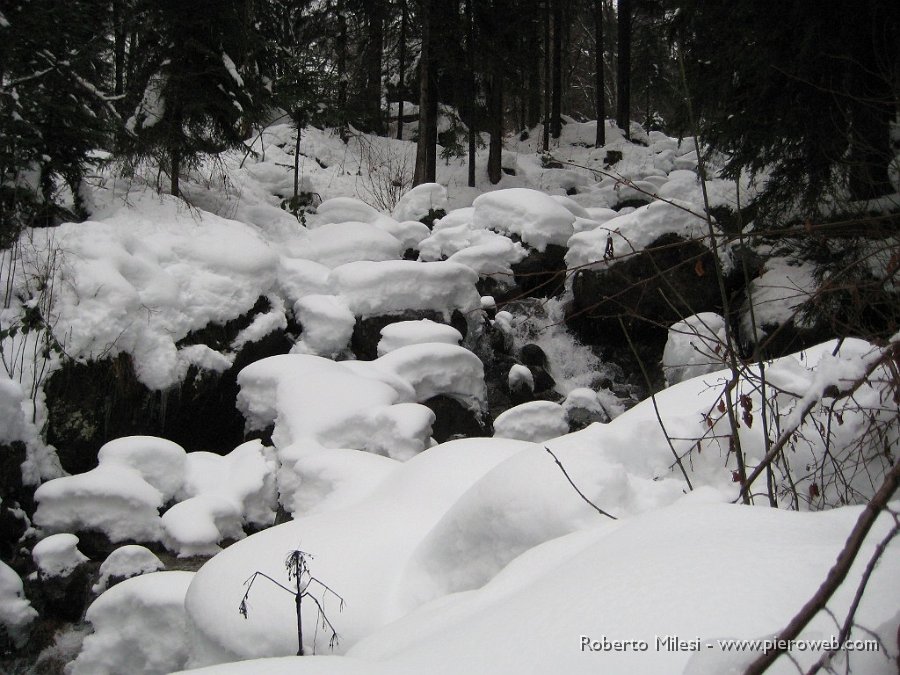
{"points": [[420, 200], [160, 462], [327, 324], [126, 562], [535, 217], [535, 421], [777, 295], [139, 627], [403, 333], [372, 288], [334, 244], [695, 346], [57, 555], [150, 272], [16, 612]]}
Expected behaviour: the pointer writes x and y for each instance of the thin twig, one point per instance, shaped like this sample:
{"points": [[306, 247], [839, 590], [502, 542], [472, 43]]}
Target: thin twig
{"points": [[575, 487]]}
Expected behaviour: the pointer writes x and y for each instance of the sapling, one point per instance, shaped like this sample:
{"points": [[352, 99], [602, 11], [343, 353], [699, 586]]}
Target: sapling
{"points": [[298, 571]]}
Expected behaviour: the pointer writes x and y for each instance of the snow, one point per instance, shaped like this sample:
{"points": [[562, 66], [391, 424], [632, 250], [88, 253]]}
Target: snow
{"points": [[146, 274], [634, 231], [139, 627], [535, 217], [16, 612], [456, 238], [403, 333], [160, 462], [113, 499], [126, 562], [535, 421], [13, 426], [695, 346], [418, 202], [777, 296], [520, 377], [57, 555], [327, 324], [373, 288], [334, 244]]}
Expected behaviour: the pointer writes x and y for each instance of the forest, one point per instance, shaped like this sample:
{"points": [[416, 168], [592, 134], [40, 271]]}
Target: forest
{"points": [[405, 336]]}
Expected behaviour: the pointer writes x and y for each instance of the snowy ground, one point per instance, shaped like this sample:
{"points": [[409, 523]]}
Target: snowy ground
{"points": [[474, 555]]}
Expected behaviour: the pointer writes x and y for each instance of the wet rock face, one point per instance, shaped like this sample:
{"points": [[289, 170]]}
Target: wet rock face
{"points": [[541, 274], [454, 420], [645, 294], [94, 402]]}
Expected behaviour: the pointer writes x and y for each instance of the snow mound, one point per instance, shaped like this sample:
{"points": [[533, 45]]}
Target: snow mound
{"points": [[147, 274], [160, 462], [335, 244], [535, 217], [126, 562], [342, 210], [139, 627], [695, 346], [298, 278], [16, 612], [777, 296], [373, 288], [634, 231], [462, 242], [403, 333], [57, 555], [520, 378], [113, 499], [360, 551], [437, 368], [327, 324], [535, 421], [195, 526], [420, 201]]}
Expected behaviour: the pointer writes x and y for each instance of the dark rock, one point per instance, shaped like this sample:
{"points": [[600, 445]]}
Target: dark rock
{"points": [[454, 420], [63, 598], [541, 274], [94, 402], [612, 158], [643, 294]]}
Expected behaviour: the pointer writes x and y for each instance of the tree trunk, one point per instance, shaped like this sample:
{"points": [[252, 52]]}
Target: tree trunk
{"points": [[470, 83], [342, 72], [599, 80], [425, 151], [375, 21], [495, 168], [401, 67], [556, 104], [547, 83], [623, 104], [119, 53], [532, 84]]}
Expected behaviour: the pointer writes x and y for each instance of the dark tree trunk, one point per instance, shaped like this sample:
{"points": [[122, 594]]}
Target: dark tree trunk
{"points": [[470, 84], [532, 83], [556, 104], [342, 72], [495, 169], [547, 82], [119, 53], [375, 20], [623, 87], [426, 160], [599, 80], [872, 108], [402, 67]]}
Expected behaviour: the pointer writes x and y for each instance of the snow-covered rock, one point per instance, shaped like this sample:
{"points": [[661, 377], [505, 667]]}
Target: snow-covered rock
{"points": [[403, 333], [126, 562], [160, 462], [535, 421], [57, 555], [139, 627], [420, 201], [535, 217], [695, 346], [16, 612]]}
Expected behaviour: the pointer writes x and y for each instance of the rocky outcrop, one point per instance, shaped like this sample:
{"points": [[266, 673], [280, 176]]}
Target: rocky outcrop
{"points": [[638, 298], [91, 403]]}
